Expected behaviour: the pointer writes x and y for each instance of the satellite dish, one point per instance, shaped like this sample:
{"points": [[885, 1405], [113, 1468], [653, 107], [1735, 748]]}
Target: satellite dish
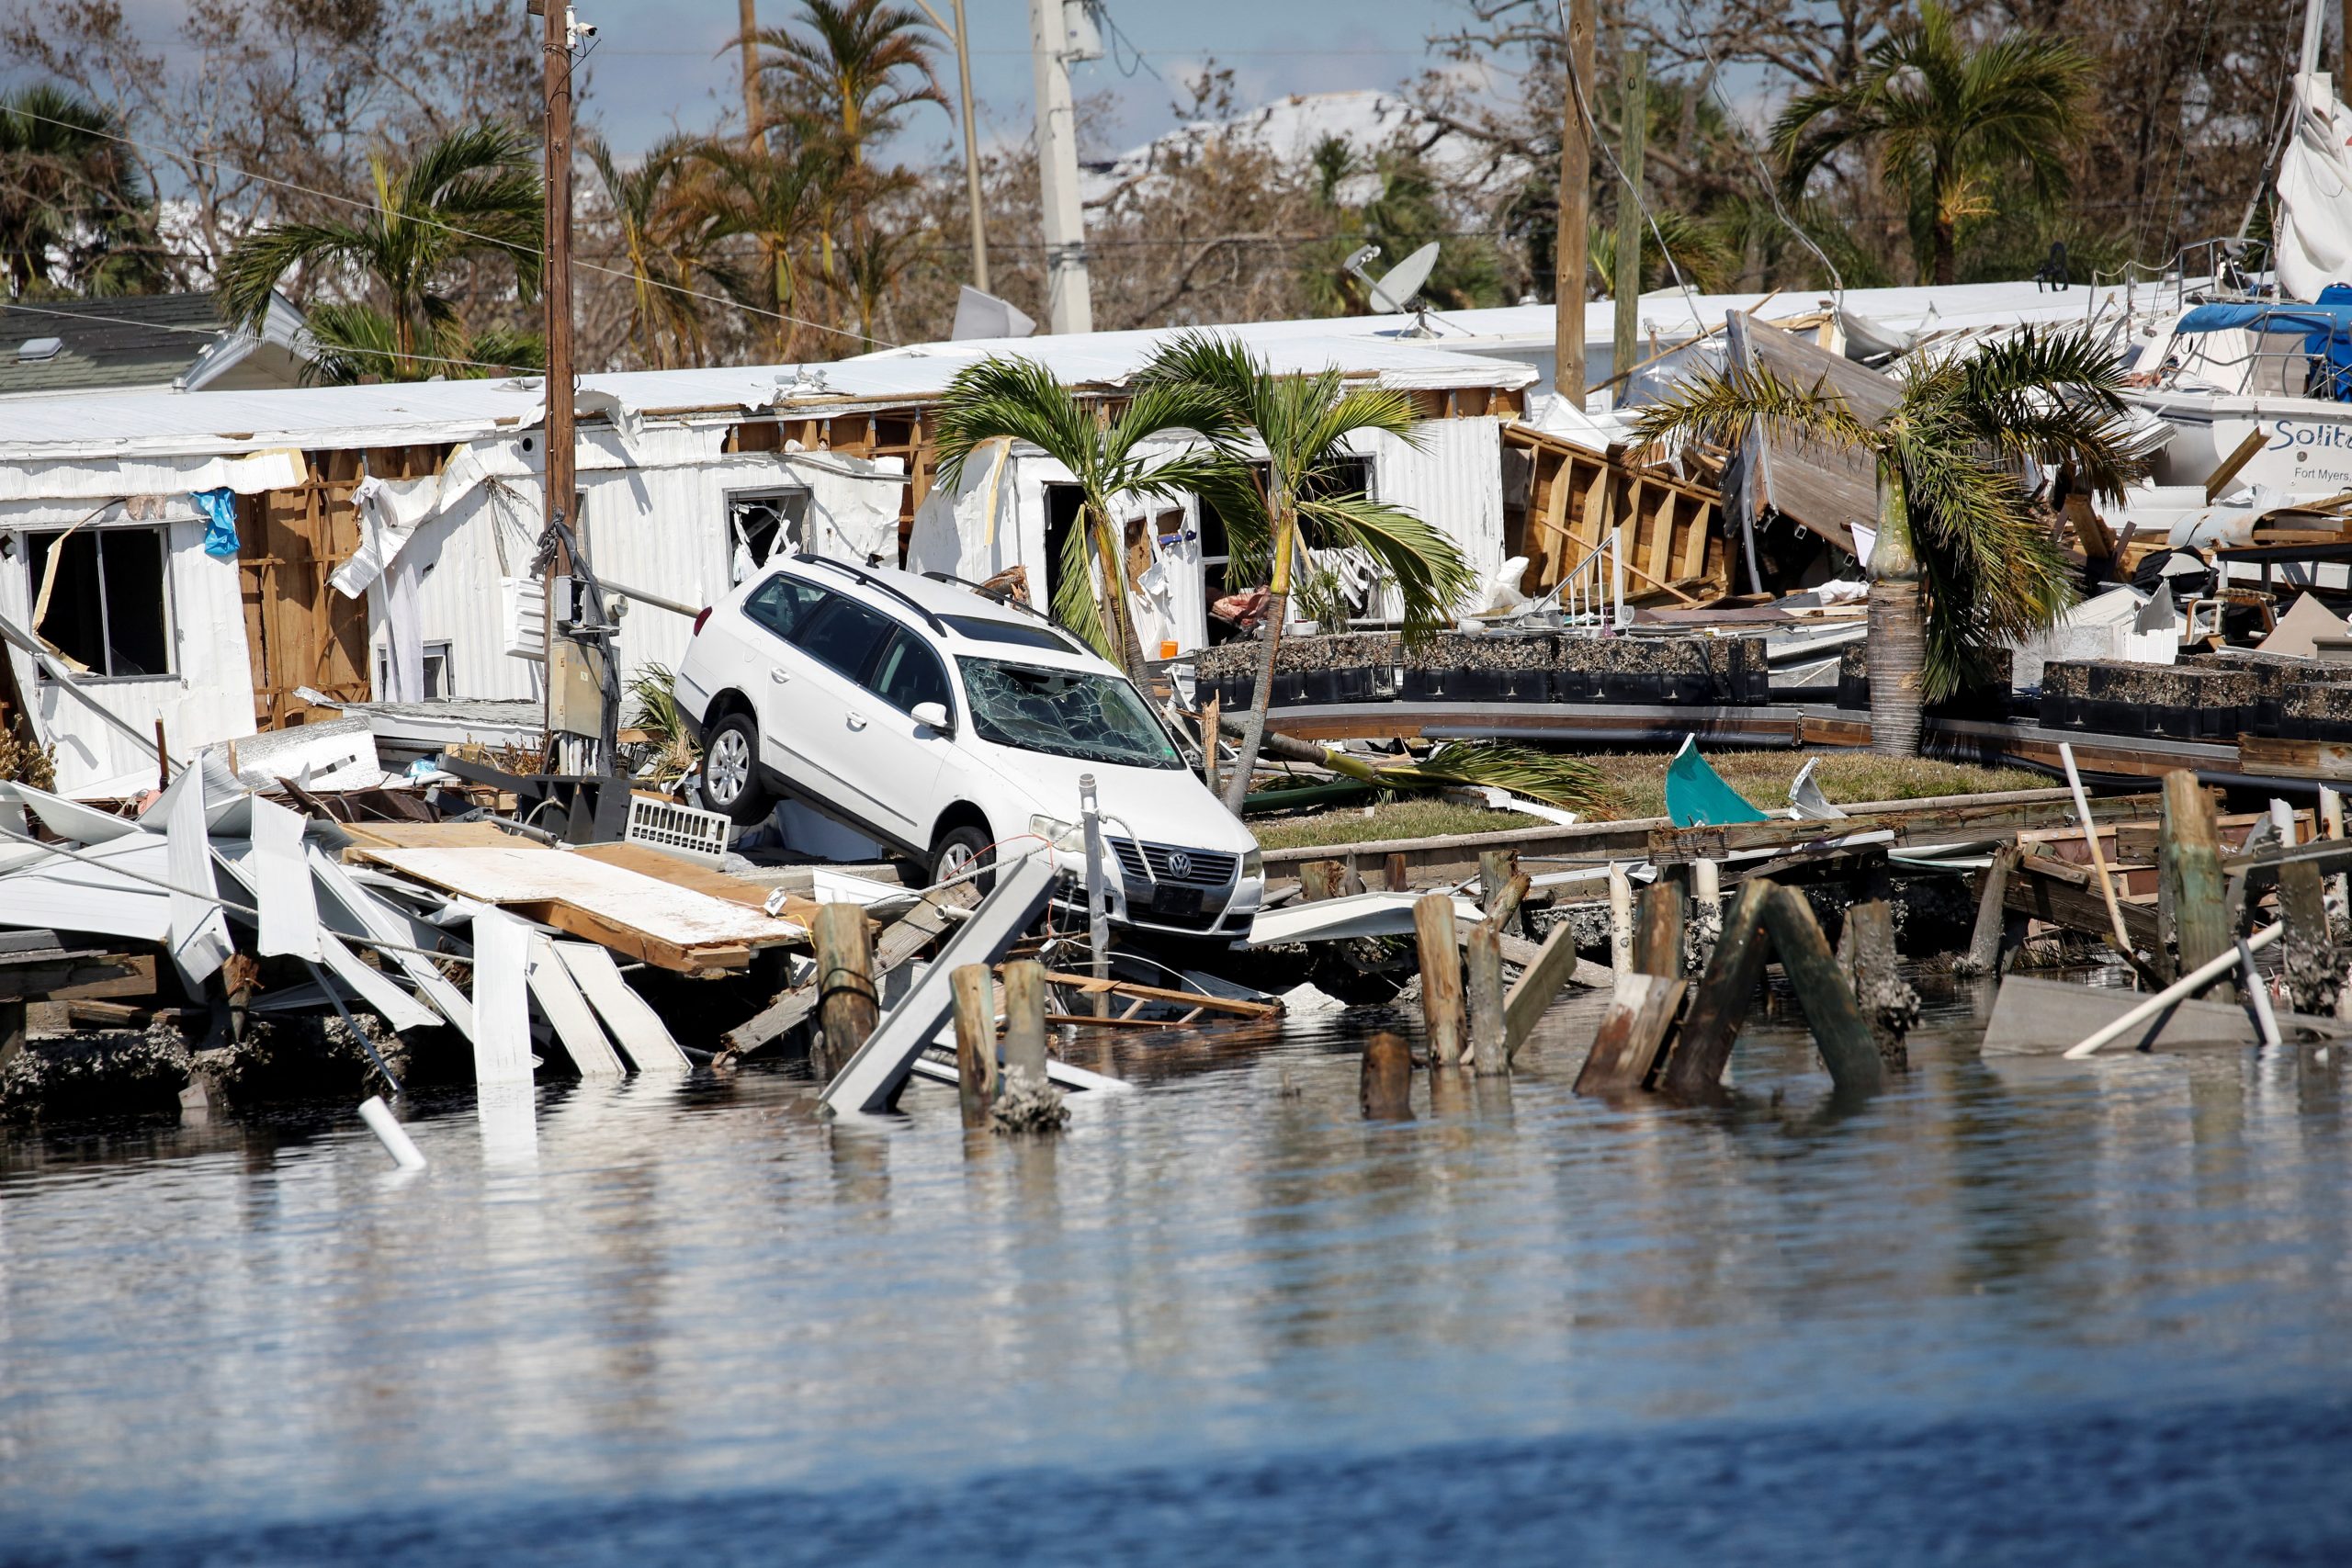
{"points": [[1393, 295], [980, 315]]}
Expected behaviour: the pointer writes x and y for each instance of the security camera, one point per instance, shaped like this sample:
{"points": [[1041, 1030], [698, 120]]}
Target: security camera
{"points": [[576, 32]]}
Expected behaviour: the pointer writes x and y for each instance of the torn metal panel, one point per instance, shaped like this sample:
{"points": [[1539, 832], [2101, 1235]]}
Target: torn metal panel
{"points": [[70, 819], [375, 987], [501, 1004], [283, 890], [199, 939], [871, 1080], [80, 895], [638, 1029], [376, 917], [1811, 483], [1337, 919], [568, 1013]]}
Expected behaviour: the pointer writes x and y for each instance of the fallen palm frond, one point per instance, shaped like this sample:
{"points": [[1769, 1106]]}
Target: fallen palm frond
{"points": [[1567, 782], [653, 691]]}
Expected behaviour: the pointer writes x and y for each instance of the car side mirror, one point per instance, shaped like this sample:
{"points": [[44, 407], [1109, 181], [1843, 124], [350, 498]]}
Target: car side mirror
{"points": [[932, 714]]}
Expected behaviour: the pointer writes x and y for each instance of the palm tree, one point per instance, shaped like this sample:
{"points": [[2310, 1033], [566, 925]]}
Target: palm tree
{"points": [[668, 240], [474, 193], [771, 197], [1006, 398], [846, 84], [1963, 563], [70, 187], [1303, 423], [1950, 118]]}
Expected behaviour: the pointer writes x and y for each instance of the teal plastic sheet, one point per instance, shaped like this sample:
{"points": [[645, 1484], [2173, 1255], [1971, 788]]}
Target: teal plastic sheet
{"points": [[1696, 795]]}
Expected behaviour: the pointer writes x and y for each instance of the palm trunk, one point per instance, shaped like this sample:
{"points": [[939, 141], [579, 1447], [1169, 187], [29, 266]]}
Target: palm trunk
{"points": [[1254, 729], [1111, 559], [1896, 640]]}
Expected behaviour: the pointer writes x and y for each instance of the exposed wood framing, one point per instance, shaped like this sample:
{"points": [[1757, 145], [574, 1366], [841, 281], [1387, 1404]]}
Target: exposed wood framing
{"points": [[298, 630], [1674, 548]]}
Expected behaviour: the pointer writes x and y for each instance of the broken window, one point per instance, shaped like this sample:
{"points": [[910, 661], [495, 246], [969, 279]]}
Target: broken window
{"points": [[1065, 712], [99, 595], [764, 525], [437, 670]]}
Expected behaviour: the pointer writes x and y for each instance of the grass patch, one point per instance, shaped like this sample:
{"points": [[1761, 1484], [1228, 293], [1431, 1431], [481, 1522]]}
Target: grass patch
{"points": [[1634, 785], [1637, 780]]}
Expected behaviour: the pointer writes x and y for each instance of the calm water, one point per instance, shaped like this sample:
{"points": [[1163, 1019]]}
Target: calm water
{"points": [[2007, 1311]]}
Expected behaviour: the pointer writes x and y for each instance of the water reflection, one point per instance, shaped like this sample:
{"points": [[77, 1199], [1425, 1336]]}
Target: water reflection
{"points": [[635, 1290]]}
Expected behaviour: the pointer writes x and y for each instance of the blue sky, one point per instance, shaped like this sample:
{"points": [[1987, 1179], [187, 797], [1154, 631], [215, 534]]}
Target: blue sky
{"points": [[656, 65]]}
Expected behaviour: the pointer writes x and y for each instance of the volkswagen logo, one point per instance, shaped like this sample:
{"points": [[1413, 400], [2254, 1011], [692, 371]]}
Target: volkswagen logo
{"points": [[1180, 864]]}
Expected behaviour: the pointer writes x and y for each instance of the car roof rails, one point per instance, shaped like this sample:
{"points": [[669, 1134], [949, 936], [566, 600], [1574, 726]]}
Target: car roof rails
{"points": [[993, 595], [866, 578]]}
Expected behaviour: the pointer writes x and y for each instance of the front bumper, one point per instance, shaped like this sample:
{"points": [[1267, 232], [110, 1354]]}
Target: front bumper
{"points": [[1222, 912]]}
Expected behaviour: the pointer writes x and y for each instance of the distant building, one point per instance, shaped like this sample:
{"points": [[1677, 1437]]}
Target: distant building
{"points": [[148, 343]]}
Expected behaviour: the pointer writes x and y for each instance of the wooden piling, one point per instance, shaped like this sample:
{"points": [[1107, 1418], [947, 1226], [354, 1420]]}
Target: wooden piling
{"points": [[2314, 975], [1657, 929], [2188, 858], [1831, 1010], [847, 1007], [1985, 955], [975, 993], [1441, 1004], [1707, 910], [1496, 868], [1025, 1020], [1387, 1088], [1508, 901], [1621, 920], [1399, 873], [1489, 1045], [1211, 711], [1725, 995], [1626, 1047], [1889, 1004], [1320, 879]]}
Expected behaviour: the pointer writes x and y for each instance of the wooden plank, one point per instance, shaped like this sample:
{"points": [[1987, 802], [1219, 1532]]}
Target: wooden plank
{"points": [[569, 1014], [1540, 985], [649, 918], [1626, 1046], [1918, 822], [682, 872], [635, 1026], [2330, 760], [2071, 903], [1698, 542], [1237, 1005]]}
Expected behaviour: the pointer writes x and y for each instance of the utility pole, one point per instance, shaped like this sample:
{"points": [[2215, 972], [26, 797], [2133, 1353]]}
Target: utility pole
{"points": [[971, 138], [1069, 302], [748, 19], [556, 285], [1633, 131], [1568, 248]]}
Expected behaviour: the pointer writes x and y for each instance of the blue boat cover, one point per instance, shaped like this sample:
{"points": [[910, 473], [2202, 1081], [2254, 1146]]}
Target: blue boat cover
{"points": [[2326, 326], [1696, 795]]}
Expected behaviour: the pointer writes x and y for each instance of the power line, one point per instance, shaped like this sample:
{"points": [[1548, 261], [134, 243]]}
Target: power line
{"points": [[11, 306], [446, 228]]}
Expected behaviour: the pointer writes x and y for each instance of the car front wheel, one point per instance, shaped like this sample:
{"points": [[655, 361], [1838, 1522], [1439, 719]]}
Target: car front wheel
{"points": [[959, 849], [731, 774]]}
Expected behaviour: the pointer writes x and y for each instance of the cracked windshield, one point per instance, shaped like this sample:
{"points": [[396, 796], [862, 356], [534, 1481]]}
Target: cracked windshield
{"points": [[1064, 713]]}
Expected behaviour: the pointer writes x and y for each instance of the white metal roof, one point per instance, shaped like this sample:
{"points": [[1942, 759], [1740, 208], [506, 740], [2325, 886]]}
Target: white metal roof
{"points": [[165, 423]]}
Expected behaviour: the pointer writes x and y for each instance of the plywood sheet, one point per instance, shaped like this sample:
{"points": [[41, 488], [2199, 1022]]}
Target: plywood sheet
{"points": [[649, 916]]}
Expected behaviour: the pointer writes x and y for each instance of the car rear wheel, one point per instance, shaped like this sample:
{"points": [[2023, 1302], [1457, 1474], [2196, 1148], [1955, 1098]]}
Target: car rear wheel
{"points": [[731, 774], [957, 851]]}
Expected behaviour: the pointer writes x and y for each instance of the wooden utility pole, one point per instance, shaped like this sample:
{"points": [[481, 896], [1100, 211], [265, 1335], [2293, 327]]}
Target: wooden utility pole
{"points": [[752, 114], [1632, 133], [1569, 258], [555, 50]]}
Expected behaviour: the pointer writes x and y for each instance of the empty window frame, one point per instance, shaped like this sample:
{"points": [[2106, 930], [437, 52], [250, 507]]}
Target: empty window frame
{"points": [[437, 670], [763, 526], [108, 608]]}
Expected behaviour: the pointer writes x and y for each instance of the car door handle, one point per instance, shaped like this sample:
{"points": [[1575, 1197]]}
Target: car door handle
{"points": [[856, 722], [779, 674]]}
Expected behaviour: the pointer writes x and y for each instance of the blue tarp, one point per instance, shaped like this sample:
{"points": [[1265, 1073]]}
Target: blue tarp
{"points": [[2326, 326], [220, 510]]}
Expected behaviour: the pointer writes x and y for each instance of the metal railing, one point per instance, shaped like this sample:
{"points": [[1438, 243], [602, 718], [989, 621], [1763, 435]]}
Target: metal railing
{"points": [[1591, 593]]}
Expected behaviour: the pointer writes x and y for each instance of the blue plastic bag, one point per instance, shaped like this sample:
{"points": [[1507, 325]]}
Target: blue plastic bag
{"points": [[220, 509]]}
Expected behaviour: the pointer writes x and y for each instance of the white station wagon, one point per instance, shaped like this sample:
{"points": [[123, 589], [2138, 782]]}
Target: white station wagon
{"points": [[947, 724]]}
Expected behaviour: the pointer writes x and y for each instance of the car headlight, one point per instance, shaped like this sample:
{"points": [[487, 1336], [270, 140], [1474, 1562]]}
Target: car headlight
{"points": [[1253, 863], [1068, 837]]}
